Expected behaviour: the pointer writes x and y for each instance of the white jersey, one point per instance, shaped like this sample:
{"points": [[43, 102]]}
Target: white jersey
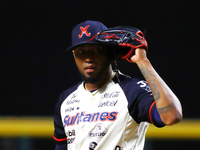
{"points": [[114, 117]]}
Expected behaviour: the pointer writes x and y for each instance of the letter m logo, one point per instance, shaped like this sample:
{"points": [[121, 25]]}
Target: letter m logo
{"points": [[84, 31]]}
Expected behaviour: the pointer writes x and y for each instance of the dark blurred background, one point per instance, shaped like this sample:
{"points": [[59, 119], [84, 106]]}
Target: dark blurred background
{"points": [[35, 67]]}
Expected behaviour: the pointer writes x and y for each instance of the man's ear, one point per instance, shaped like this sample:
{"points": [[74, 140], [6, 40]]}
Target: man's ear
{"points": [[73, 52]]}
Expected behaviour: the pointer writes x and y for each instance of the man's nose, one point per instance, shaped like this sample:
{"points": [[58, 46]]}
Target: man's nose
{"points": [[89, 54]]}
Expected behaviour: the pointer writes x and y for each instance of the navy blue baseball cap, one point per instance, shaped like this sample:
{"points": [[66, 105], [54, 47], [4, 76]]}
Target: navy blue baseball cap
{"points": [[86, 32]]}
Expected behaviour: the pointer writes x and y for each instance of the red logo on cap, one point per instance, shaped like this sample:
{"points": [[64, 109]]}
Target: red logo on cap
{"points": [[84, 31]]}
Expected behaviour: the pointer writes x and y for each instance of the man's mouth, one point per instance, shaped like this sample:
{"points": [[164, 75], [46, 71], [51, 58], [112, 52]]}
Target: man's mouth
{"points": [[89, 69]]}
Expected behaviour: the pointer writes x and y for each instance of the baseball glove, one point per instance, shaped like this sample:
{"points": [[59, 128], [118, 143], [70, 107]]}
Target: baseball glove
{"points": [[124, 39]]}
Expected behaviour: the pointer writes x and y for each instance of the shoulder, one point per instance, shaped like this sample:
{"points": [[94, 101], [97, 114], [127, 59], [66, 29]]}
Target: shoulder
{"points": [[133, 84], [66, 93]]}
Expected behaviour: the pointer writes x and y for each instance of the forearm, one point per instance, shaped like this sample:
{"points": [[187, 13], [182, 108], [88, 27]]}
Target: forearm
{"points": [[168, 105]]}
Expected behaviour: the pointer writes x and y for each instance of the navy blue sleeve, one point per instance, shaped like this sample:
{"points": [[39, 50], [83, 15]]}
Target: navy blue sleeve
{"points": [[59, 132], [61, 147], [139, 98], [141, 104]]}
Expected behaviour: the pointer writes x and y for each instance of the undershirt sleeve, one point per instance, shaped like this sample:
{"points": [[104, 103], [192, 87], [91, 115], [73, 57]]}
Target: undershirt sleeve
{"points": [[61, 146], [154, 116]]}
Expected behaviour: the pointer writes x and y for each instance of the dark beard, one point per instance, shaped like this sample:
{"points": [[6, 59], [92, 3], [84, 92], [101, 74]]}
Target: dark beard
{"points": [[97, 77], [91, 79]]}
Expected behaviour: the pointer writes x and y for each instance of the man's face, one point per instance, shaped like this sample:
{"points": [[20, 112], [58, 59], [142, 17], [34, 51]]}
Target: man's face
{"points": [[92, 61]]}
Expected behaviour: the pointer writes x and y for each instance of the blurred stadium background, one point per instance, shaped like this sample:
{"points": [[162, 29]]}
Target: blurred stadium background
{"points": [[35, 133], [36, 68]]}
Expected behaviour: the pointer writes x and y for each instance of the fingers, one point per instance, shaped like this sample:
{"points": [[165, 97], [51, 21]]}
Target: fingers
{"points": [[139, 55]]}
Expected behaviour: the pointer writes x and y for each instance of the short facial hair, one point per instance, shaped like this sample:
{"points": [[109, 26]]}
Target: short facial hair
{"points": [[95, 78], [91, 79]]}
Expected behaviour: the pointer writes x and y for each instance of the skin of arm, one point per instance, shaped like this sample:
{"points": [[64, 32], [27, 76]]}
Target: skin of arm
{"points": [[167, 104]]}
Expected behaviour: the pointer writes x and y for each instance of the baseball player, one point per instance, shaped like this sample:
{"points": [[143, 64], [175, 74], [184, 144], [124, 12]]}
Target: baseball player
{"points": [[109, 110]]}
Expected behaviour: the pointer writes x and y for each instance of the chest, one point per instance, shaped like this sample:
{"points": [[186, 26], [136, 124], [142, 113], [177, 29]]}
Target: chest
{"points": [[82, 107]]}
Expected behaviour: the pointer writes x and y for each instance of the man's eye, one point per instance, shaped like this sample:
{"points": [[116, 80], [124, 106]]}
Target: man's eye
{"points": [[80, 51], [98, 50]]}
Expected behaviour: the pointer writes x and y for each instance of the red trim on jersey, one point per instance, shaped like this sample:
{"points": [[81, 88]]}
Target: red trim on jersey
{"points": [[150, 111], [59, 140]]}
